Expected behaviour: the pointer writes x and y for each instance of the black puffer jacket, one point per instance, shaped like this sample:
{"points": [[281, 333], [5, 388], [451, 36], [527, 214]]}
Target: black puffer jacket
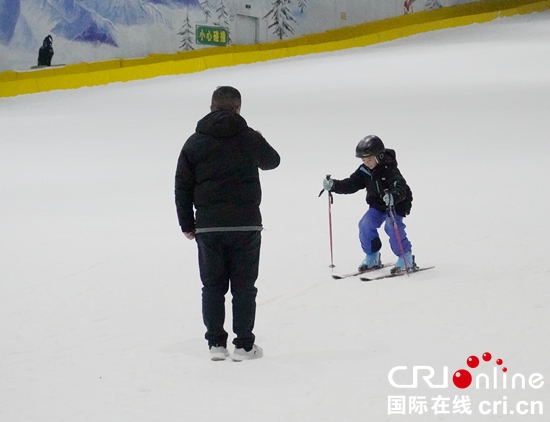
{"points": [[384, 176], [217, 173]]}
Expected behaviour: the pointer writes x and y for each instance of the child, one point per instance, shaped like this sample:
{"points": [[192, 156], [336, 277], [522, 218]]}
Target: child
{"points": [[388, 196]]}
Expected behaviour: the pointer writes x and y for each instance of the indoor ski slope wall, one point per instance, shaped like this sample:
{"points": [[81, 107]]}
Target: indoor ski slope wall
{"points": [[121, 70], [99, 30]]}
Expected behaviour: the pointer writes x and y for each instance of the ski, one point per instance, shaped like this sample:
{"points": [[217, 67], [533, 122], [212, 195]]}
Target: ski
{"points": [[396, 274], [356, 273]]}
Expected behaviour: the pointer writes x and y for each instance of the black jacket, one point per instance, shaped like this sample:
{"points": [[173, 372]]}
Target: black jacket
{"points": [[384, 176], [217, 173]]}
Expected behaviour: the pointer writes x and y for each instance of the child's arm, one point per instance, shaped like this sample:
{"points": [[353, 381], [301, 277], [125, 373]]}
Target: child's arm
{"points": [[350, 185], [397, 185]]}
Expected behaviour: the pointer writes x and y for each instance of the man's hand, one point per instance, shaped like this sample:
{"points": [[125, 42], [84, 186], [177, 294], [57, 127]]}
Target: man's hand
{"points": [[189, 235]]}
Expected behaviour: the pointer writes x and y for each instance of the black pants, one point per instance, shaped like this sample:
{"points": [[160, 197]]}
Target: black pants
{"points": [[229, 259]]}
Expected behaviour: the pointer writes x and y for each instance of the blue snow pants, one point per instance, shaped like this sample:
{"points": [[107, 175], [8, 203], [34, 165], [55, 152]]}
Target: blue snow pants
{"points": [[368, 232]]}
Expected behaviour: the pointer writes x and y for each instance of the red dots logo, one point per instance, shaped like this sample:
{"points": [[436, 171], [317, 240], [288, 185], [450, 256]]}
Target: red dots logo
{"points": [[463, 378], [473, 361]]}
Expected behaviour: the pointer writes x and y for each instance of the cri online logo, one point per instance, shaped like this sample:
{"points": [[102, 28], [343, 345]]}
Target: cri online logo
{"points": [[463, 378]]}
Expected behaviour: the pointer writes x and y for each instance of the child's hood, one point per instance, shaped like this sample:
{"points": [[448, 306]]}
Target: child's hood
{"points": [[389, 157]]}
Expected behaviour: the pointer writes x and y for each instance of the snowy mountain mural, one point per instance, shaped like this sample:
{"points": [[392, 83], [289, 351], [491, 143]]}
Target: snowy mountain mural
{"points": [[93, 30], [95, 20], [81, 24], [9, 15]]}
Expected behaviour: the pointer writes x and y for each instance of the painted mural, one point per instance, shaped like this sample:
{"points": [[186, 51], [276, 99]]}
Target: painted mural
{"points": [[95, 30]]}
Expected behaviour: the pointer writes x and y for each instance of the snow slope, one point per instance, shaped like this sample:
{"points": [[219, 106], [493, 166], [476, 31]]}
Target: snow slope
{"points": [[99, 291]]}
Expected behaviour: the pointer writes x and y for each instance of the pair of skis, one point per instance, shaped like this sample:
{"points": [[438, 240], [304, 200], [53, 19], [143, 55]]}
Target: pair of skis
{"points": [[381, 277], [359, 272]]}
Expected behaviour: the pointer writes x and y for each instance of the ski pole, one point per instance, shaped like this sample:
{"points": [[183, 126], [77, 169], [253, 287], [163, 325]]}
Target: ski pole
{"points": [[392, 215], [330, 200]]}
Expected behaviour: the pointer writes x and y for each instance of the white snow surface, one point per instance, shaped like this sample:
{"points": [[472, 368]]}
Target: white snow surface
{"points": [[100, 309]]}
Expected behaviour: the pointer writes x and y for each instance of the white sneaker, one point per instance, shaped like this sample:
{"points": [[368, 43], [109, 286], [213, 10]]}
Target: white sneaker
{"points": [[240, 354], [218, 353]]}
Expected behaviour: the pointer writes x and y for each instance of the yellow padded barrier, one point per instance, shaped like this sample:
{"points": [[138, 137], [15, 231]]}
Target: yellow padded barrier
{"points": [[122, 70]]}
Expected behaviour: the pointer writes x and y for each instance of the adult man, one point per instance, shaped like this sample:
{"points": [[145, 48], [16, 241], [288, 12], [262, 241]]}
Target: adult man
{"points": [[217, 173]]}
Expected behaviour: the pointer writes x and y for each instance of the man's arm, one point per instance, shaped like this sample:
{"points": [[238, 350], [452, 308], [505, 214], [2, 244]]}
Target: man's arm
{"points": [[268, 158], [184, 188]]}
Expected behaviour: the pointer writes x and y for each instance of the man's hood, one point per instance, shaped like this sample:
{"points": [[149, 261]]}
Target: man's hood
{"points": [[222, 124]]}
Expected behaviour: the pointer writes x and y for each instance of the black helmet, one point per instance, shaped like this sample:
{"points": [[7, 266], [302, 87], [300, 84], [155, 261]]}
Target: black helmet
{"points": [[370, 145]]}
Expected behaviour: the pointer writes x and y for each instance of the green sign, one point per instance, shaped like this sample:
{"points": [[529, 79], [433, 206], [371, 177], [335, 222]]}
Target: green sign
{"points": [[211, 35]]}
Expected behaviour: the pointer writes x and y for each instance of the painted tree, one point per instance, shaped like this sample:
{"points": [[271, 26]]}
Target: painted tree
{"points": [[206, 7], [282, 18], [223, 19], [433, 4], [302, 4], [187, 34]]}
